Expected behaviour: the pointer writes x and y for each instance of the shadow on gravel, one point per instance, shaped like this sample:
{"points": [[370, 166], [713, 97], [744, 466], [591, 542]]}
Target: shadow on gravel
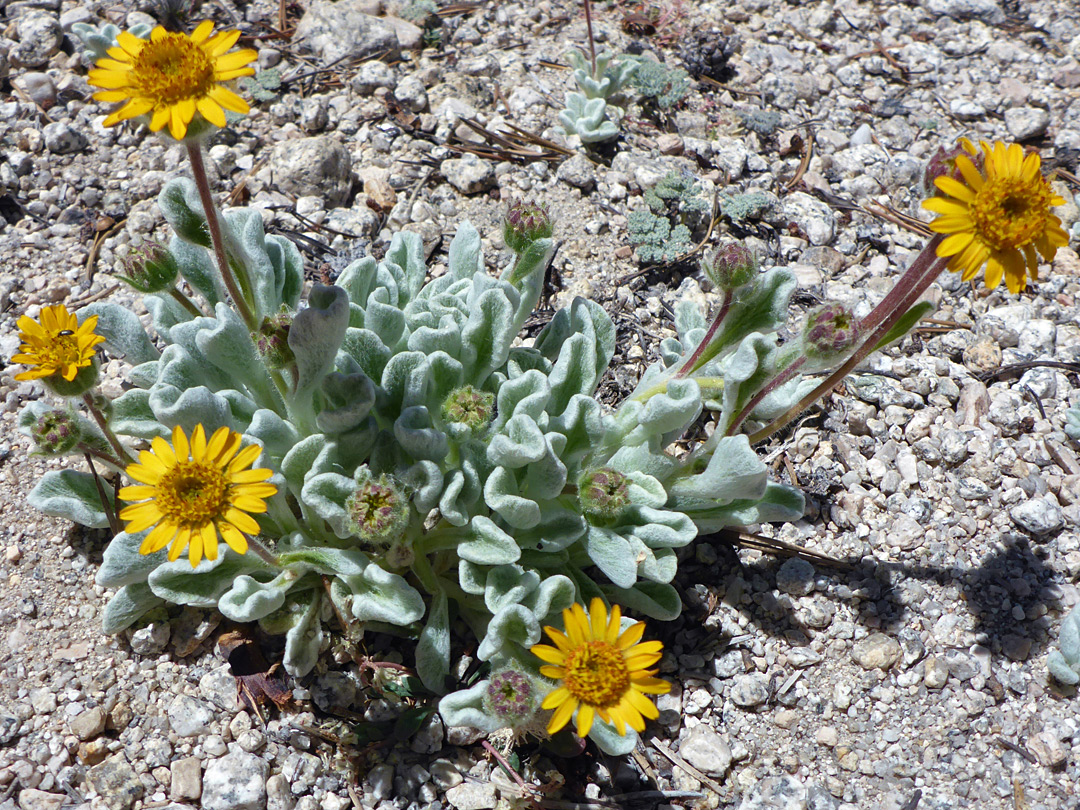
{"points": [[1009, 595]]}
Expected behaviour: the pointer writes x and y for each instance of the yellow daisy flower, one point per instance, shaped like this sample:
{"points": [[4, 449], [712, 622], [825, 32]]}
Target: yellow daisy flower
{"points": [[603, 672], [171, 76], [998, 216], [196, 491], [57, 345]]}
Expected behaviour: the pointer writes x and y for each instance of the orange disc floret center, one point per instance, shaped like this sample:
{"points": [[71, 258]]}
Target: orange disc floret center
{"points": [[58, 352], [173, 69], [192, 494], [596, 674], [1011, 212]]}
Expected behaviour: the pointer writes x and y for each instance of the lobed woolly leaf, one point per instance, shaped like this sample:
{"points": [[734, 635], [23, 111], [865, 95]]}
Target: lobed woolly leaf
{"points": [[74, 496]]}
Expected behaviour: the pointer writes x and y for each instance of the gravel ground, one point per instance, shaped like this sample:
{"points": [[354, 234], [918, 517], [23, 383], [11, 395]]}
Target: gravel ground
{"points": [[911, 676]]}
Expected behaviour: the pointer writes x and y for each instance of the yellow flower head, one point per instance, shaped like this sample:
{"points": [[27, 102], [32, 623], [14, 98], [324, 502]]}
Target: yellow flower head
{"points": [[171, 76], [603, 671], [196, 491], [57, 345], [998, 216]]}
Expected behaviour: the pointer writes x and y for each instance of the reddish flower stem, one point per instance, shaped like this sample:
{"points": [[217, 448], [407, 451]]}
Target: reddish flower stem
{"points": [[198, 170], [904, 295]]}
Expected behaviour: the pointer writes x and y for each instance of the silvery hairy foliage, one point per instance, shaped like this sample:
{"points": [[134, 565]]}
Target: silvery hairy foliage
{"points": [[587, 114], [516, 492]]}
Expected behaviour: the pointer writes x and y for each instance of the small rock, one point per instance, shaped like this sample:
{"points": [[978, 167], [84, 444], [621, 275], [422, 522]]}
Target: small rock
{"points": [[409, 36], [827, 735], [578, 171], [89, 724], [749, 691], [961, 665], [279, 795], [1026, 122], [445, 774], [815, 218], [151, 638], [116, 782], [92, 752], [468, 174], [876, 651], [380, 780], [334, 691], [1039, 516], [342, 31], [988, 11], [316, 166], [38, 87], [796, 577], [936, 672], [189, 717], [186, 781], [371, 76], [191, 628], [42, 701], [982, 355], [775, 793], [40, 35], [1048, 749], [670, 143], [235, 782], [1016, 647], [429, 738], [472, 796], [32, 799], [803, 657], [411, 94], [706, 750]]}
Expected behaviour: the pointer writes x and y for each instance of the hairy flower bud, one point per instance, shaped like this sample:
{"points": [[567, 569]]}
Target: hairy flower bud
{"points": [[524, 224], [56, 432], [379, 511], [943, 163], [469, 406], [511, 697], [272, 340], [831, 330], [731, 266], [603, 494], [150, 268]]}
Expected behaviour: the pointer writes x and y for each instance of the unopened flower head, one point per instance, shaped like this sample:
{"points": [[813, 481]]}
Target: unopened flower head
{"points": [[943, 163], [58, 348], [379, 511], [525, 223], [831, 331], [997, 215], [511, 696], [55, 432], [193, 491], [469, 406], [272, 340], [150, 268], [173, 76], [603, 671], [603, 494], [730, 267]]}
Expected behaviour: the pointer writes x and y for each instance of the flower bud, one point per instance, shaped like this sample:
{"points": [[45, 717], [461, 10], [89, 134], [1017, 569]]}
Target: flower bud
{"points": [[272, 340], [379, 512], [524, 224], [55, 432], [943, 163], [831, 330], [150, 268], [731, 266], [603, 494], [85, 379], [511, 697], [469, 406]]}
